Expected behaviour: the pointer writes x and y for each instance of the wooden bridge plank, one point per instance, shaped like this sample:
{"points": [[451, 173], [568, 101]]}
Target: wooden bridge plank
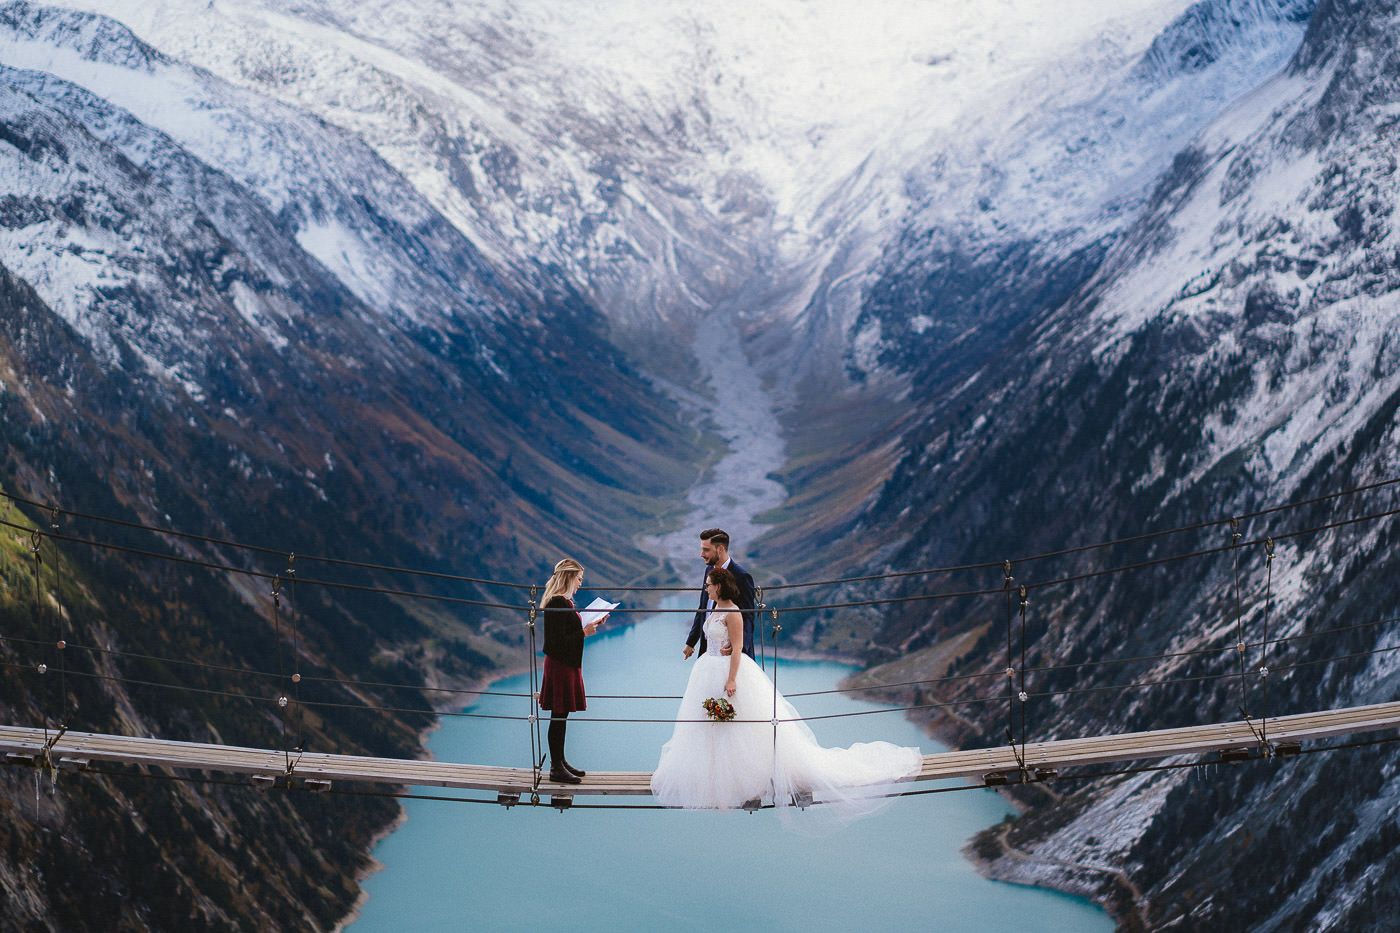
{"points": [[964, 763]]}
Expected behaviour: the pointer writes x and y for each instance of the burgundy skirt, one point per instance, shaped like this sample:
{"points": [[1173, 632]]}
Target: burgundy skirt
{"points": [[561, 690]]}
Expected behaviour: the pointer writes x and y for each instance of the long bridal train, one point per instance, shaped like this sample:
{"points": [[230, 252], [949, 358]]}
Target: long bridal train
{"points": [[723, 765]]}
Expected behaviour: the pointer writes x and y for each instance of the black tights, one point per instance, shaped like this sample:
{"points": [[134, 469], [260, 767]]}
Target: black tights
{"points": [[558, 725]]}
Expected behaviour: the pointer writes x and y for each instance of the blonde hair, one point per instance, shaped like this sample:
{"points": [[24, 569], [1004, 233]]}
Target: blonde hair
{"points": [[565, 572]]}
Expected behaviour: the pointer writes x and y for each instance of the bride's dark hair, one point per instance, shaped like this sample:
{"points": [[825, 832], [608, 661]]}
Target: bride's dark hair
{"points": [[728, 586]]}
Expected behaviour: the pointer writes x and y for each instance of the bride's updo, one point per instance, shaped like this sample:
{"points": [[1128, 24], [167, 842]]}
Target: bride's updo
{"points": [[728, 586]]}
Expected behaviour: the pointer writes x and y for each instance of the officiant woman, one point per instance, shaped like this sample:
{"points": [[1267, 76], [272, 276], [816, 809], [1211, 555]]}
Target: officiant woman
{"points": [[561, 690]]}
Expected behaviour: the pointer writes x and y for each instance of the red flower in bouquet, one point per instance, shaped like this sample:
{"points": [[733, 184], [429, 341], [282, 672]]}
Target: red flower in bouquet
{"points": [[720, 710]]}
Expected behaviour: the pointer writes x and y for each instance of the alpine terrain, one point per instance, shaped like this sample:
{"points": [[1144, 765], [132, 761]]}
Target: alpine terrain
{"points": [[464, 288]]}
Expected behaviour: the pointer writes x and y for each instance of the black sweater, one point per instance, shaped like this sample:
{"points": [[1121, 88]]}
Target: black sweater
{"points": [[563, 632]]}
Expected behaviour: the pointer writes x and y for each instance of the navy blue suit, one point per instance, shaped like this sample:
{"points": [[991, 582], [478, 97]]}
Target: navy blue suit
{"points": [[745, 603]]}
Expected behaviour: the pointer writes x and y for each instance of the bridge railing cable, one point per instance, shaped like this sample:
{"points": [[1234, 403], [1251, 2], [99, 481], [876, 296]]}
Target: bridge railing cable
{"points": [[1016, 675], [268, 701], [945, 595], [32, 667], [211, 565], [57, 510], [350, 682], [262, 574], [257, 548], [1043, 584], [271, 675], [1059, 776], [1098, 545]]}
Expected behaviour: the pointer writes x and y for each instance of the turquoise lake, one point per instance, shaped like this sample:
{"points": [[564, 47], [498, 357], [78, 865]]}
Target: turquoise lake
{"points": [[459, 867]]}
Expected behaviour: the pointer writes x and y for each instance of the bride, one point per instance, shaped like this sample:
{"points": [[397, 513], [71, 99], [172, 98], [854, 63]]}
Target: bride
{"points": [[723, 765]]}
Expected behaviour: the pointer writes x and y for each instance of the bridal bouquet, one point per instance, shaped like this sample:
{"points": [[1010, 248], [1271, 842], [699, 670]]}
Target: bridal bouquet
{"points": [[720, 710]]}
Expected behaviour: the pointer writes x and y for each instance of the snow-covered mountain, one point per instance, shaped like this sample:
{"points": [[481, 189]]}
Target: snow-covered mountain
{"points": [[1232, 347], [223, 314], [205, 237], [330, 270], [664, 157], [668, 159], [1000, 215], [1014, 212]]}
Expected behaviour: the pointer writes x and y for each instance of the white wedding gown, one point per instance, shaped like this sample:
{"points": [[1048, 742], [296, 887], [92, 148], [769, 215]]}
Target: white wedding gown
{"points": [[722, 765]]}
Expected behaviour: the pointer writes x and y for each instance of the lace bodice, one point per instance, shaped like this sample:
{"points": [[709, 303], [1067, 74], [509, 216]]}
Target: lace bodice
{"points": [[716, 632]]}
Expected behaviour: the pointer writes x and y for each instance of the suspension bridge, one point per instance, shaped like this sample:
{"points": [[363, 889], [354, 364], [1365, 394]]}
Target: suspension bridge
{"points": [[991, 766], [58, 746]]}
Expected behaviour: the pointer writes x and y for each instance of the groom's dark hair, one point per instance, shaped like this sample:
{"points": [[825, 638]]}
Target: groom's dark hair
{"points": [[728, 586], [717, 535]]}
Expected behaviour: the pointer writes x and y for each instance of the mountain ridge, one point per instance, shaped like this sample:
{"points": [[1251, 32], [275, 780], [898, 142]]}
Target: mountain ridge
{"points": [[173, 354], [1230, 350], [447, 325]]}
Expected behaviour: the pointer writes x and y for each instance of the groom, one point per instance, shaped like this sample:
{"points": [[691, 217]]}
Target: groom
{"points": [[714, 549]]}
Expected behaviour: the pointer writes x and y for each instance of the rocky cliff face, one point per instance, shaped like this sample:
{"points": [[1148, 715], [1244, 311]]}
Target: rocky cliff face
{"points": [[1231, 346], [398, 282], [540, 149], [221, 314]]}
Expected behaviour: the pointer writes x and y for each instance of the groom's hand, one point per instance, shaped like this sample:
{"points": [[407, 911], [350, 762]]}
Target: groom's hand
{"points": [[727, 650], [687, 652]]}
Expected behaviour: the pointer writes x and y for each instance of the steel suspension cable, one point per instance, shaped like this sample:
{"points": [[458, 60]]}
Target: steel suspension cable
{"points": [[260, 549], [1240, 649], [1021, 676], [281, 669], [1007, 582], [273, 675], [1052, 668], [1217, 550], [758, 628], [1289, 535], [295, 613], [974, 701], [40, 668], [777, 628], [35, 540], [445, 798], [922, 597], [1058, 581], [1077, 549], [533, 720], [522, 586], [61, 635], [1221, 676], [1263, 654], [227, 568], [1167, 655], [350, 682]]}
